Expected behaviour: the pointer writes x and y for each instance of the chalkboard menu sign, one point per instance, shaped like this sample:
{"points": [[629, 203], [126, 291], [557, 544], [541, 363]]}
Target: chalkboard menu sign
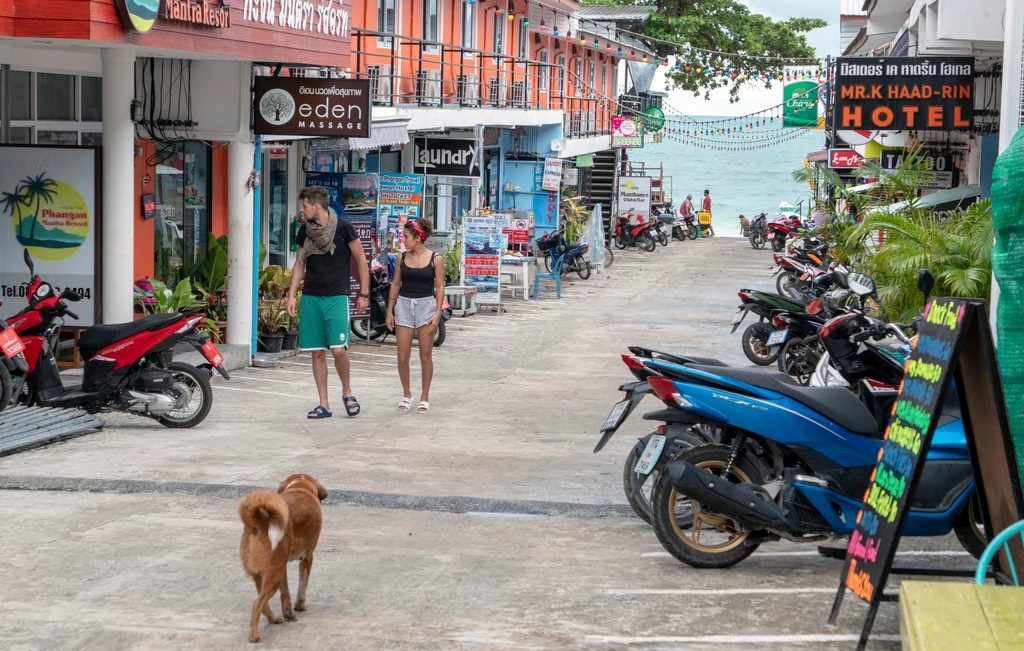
{"points": [[953, 340]]}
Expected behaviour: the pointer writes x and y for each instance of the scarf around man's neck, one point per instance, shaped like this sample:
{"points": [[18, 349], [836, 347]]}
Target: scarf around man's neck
{"points": [[320, 239]]}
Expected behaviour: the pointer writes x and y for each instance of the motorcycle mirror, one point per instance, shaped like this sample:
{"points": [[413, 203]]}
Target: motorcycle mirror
{"points": [[925, 282], [28, 263]]}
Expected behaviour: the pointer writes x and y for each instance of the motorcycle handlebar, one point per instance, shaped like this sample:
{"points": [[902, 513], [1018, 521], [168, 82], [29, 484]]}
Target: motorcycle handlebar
{"points": [[71, 314]]}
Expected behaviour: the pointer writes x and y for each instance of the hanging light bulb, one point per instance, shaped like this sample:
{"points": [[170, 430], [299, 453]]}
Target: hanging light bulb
{"points": [[645, 58], [596, 44], [556, 30], [526, 20], [632, 54], [497, 9], [542, 25], [620, 51], [608, 46]]}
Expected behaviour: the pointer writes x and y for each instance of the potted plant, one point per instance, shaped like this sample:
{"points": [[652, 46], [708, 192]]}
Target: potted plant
{"points": [[272, 319], [291, 332]]}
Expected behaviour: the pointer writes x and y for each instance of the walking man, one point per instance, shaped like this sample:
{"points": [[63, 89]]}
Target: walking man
{"points": [[327, 247], [706, 207]]}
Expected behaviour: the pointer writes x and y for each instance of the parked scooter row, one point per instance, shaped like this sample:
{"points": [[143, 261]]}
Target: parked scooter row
{"points": [[743, 457], [776, 232], [664, 225], [129, 367]]}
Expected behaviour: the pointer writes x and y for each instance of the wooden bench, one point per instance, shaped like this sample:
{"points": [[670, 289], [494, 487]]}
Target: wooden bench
{"points": [[936, 616], [462, 299], [73, 334]]}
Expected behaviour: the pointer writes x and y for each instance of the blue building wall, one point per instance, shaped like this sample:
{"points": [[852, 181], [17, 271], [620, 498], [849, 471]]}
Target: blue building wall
{"points": [[525, 176]]}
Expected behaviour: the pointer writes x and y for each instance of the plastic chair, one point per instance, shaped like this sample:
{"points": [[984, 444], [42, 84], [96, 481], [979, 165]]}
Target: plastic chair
{"points": [[556, 275], [1000, 541]]}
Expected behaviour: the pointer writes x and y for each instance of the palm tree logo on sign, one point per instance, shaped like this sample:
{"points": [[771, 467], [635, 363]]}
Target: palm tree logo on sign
{"points": [[50, 218]]}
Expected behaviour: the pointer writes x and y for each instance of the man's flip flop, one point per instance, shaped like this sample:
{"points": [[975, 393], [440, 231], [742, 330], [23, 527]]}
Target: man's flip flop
{"points": [[403, 404], [319, 412], [423, 407], [352, 406]]}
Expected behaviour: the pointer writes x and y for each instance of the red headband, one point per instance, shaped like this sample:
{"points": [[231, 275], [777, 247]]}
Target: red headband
{"points": [[412, 223]]}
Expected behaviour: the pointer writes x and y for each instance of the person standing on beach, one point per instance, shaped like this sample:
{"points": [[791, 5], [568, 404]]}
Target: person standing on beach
{"points": [[706, 207], [417, 295], [327, 247]]}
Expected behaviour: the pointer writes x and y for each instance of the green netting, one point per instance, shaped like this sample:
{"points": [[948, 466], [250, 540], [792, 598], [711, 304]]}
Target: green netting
{"points": [[1008, 267]]}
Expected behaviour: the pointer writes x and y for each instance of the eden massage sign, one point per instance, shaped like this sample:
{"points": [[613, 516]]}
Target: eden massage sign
{"points": [[905, 93], [325, 108]]}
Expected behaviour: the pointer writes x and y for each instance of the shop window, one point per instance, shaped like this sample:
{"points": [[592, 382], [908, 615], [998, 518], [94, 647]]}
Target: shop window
{"points": [[542, 70], [468, 27], [431, 23], [578, 79], [593, 75], [561, 74], [55, 96], [21, 95], [182, 188], [276, 162], [92, 99], [21, 135]]}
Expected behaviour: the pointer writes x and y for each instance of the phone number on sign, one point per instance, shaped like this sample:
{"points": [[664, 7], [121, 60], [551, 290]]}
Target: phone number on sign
{"points": [[21, 291]]}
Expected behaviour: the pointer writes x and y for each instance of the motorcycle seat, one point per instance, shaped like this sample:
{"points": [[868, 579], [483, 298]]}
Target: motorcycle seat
{"points": [[838, 404], [99, 336]]}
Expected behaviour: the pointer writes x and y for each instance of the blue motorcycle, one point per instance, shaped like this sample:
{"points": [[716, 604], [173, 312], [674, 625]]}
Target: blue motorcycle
{"points": [[792, 462]]}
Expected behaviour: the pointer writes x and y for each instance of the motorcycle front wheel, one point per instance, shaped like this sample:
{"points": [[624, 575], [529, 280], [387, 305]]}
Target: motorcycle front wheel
{"points": [[6, 387], [440, 334], [778, 243], [620, 242], [195, 410], [786, 285], [757, 240], [662, 238], [695, 535], [583, 268], [648, 243], [970, 528], [549, 262], [609, 257], [691, 232]]}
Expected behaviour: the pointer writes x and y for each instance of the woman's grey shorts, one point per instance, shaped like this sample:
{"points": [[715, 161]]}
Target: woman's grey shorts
{"points": [[414, 312]]}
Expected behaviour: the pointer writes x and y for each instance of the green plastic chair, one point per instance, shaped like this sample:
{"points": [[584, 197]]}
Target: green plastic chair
{"points": [[1000, 541]]}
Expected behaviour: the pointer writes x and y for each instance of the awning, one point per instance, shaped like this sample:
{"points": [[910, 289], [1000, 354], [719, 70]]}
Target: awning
{"points": [[941, 201], [857, 189], [383, 133], [818, 156]]}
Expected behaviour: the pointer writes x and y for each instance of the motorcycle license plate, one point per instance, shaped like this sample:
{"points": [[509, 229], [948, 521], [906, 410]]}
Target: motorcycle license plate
{"points": [[739, 317], [778, 337], [650, 456], [10, 343], [770, 236], [212, 354], [614, 418]]}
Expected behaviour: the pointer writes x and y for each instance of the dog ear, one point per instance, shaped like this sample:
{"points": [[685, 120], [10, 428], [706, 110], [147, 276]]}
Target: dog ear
{"points": [[320, 491]]}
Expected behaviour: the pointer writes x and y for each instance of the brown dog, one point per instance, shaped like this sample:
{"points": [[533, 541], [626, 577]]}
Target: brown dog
{"points": [[279, 527]]}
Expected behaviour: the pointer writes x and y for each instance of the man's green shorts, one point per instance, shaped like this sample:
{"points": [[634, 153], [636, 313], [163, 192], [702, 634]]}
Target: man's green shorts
{"points": [[324, 322]]}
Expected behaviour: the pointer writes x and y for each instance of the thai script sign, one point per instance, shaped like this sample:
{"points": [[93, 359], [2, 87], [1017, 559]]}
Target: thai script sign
{"points": [[286, 106], [905, 93], [321, 17]]}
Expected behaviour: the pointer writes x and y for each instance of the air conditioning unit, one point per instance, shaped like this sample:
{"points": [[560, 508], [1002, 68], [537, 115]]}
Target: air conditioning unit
{"points": [[497, 94], [428, 87], [468, 90], [380, 83], [520, 94]]}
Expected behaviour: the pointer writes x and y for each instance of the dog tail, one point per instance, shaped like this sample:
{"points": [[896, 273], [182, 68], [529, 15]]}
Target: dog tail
{"points": [[265, 511]]}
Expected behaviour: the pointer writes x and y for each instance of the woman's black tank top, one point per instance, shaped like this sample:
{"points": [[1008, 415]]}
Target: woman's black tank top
{"points": [[417, 282]]}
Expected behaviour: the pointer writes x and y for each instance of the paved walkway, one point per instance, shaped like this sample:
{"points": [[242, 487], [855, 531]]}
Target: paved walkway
{"points": [[487, 523]]}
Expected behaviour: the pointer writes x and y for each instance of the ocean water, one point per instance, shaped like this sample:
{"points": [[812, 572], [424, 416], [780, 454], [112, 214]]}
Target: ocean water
{"points": [[741, 182]]}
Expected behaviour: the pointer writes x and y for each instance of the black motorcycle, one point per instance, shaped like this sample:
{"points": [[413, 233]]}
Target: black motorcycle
{"points": [[376, 326], [759, 231]]}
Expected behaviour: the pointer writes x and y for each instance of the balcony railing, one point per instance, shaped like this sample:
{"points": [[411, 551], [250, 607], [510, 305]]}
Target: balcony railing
{"points": [[407, 71]]}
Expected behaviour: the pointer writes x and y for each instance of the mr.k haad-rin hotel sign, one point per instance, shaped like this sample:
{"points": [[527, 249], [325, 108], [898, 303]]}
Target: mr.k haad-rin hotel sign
{"points": [[905, 93]]}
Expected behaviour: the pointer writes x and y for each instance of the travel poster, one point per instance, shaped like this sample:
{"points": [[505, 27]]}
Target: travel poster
{"points": [[483, 244], [401, 199], [49, 209]]}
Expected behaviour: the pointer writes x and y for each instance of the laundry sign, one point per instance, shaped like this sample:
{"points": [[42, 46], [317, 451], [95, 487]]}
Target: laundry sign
{"points": [[446, 157], [552, 178]]}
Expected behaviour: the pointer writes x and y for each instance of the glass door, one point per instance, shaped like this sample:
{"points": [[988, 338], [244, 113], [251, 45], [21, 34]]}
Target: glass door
{"points": [[182, 173], [275, 206]]}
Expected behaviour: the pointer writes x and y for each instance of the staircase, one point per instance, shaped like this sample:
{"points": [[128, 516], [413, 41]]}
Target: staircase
{"points": [[598, 185]]}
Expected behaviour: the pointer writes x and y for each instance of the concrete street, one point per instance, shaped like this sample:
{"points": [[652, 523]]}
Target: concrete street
{"points": [[486, 524]]}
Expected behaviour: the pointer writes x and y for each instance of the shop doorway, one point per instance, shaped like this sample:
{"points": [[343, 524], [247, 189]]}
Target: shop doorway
{"points": [[182, 194], [277, 193]]}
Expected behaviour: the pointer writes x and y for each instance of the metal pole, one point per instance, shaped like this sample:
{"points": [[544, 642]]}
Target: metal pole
{"points": [[5, 103]]}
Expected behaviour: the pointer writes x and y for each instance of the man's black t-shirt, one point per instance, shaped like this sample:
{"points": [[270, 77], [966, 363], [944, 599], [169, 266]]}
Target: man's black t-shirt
{"points": [[330, 274]]}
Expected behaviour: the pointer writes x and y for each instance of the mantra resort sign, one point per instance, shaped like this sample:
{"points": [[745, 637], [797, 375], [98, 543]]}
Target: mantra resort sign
{"points": [[140, 15]]}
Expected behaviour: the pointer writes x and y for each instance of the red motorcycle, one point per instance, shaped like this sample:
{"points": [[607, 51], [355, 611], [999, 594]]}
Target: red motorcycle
{"points": [[12, 360], [781, 229], [638, 235], [128, 366]]}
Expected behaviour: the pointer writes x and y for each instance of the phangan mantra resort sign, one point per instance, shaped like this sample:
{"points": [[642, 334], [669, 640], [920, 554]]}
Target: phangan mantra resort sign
{"points": [[905, 93], [141, 15], [320, 17], [325, 108]]}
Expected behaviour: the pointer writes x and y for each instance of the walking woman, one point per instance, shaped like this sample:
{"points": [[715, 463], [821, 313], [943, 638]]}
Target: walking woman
{"points": [[417, 296]]}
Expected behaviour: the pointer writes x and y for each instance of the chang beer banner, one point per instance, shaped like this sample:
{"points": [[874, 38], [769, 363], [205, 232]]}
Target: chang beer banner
{"points": [[800, 97], [49, 209]]}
